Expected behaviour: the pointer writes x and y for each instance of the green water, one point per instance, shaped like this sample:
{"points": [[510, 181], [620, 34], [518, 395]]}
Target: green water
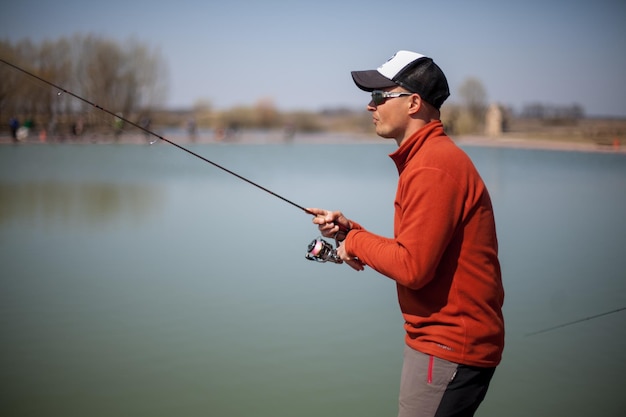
{"points": [[140, 281]]}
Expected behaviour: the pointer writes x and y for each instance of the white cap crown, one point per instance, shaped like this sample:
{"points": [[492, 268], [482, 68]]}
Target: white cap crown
{"points": [[396, 63]]}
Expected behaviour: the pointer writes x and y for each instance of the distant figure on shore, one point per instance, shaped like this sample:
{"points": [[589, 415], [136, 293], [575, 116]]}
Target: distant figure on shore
{"points": [[23, 131], [52, 127], [289, 132], [191, 128], [14, 124], [118, 125], [78, 127], [145, 123]]}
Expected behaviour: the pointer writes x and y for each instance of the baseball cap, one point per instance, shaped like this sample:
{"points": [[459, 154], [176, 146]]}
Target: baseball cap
{"points": [[415, 72]]}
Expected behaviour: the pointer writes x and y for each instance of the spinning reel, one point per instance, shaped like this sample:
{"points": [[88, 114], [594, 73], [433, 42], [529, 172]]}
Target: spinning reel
{"points": [[320, 250]]}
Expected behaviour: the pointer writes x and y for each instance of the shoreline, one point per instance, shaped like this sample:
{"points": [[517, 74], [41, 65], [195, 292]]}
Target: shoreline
{"points": [[329, 138], [519, 142]]}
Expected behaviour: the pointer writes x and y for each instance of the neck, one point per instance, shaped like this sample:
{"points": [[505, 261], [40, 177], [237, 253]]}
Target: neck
{"points": [[414, 126], [425, 114], [426, 125]]}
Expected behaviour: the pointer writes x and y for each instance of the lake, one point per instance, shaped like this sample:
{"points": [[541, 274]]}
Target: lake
{"points": [[140, 281]]}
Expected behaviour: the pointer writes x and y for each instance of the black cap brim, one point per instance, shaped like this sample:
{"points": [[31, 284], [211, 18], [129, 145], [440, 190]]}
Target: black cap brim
{"points": [[371, 80]]}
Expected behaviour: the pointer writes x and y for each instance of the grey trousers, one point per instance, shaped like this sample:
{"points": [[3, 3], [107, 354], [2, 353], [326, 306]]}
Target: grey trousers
{"points": [[434, 387]]}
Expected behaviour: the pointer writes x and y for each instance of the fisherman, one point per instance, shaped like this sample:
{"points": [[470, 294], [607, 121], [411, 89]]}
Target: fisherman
{"points": [[443, 256]]}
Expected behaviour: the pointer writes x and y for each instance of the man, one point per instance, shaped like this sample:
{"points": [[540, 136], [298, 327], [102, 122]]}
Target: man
{"points": [[444, 253]]}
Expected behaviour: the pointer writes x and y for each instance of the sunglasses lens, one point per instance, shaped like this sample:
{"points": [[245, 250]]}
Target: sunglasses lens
{"points": [[378, 97]]}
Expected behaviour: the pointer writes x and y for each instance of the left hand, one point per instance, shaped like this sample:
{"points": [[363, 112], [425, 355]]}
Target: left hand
{"points": [[352, 261]]}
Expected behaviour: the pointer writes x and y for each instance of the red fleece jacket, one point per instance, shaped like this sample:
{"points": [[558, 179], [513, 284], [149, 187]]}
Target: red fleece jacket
{"points": [[444, 256]]}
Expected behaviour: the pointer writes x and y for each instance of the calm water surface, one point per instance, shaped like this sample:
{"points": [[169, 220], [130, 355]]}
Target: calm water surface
{"points": [[140, 281]]}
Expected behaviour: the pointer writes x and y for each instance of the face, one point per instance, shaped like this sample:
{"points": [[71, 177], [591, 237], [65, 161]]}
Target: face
{"points": [[391, 117]]}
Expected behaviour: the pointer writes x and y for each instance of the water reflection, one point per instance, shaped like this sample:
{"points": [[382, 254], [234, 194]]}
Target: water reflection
{"points": [[137, 279], [76, 204]]}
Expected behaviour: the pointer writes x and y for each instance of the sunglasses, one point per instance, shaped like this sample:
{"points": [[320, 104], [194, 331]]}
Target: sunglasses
{"points": [[379, 96]]}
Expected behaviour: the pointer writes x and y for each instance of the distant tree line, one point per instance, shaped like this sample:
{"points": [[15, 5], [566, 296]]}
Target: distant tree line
{"points": [[127, 78], [469, 114], [552, 112], [130, 78]]}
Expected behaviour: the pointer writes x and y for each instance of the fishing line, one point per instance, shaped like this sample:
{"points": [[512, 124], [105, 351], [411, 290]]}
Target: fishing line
{"points": [[116, 115], [549, 329]]}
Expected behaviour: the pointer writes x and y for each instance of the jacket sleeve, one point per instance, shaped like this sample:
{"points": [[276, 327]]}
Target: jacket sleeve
{"points": [[428, 208]]}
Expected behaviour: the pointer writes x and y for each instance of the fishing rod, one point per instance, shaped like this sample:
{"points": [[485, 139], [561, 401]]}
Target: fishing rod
{"points": [[549, 329], [318, 250]]}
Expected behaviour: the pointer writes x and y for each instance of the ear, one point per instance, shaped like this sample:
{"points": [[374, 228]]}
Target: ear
{"points": [[415, 104]]}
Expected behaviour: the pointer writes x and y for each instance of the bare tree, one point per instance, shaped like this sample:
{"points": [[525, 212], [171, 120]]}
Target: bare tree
{"points": [[54, 64], [9, 79], [124, 78], [474, 98]]}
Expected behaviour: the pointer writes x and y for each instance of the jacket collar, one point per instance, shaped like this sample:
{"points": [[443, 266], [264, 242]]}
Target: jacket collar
{"points": [[413, 143]]}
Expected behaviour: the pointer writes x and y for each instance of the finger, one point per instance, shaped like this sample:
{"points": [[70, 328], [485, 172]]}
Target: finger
{"points": [[321, 215], [327, 226], [319, 219], [356, 264], [315, 211], [328, 233]]}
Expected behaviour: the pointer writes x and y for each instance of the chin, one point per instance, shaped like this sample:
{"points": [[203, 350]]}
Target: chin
{"points": [[384, 134]]}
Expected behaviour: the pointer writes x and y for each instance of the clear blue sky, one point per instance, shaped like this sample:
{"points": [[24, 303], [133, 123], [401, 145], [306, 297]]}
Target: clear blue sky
{"points": [[300, 53]]}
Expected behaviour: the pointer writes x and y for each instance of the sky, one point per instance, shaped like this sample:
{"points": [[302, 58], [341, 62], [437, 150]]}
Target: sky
{"points": [[299, 54]]}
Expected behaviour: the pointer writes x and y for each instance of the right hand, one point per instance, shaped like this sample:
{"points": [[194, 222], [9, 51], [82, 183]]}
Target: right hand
{"points": [[331, 224], [335, 225]]}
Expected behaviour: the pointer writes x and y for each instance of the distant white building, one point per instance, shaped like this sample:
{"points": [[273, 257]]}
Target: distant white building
{"points": [[494, 120]]}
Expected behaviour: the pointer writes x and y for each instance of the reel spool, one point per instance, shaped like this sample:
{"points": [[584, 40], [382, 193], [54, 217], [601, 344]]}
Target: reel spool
{"points": [[320, 250]]}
